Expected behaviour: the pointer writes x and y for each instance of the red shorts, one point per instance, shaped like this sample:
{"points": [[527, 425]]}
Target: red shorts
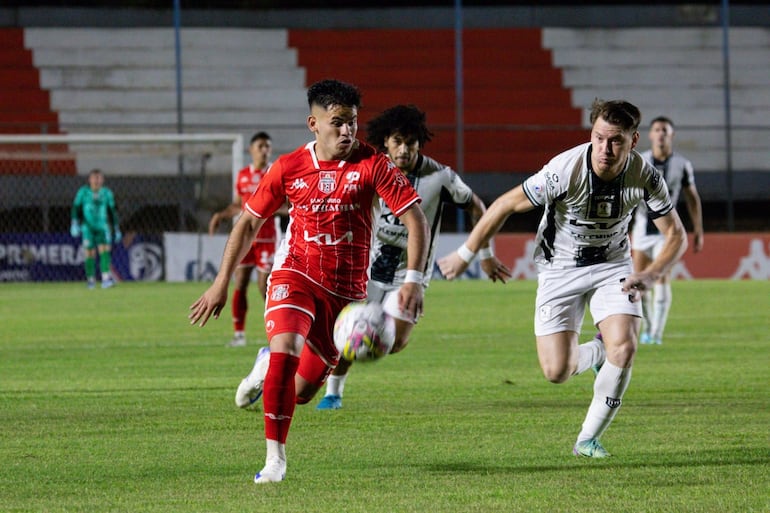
{"points": [[260, 255], [294, 304]]}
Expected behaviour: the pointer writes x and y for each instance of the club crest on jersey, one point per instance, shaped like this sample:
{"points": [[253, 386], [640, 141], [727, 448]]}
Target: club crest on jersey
{"points": [[327, 181], [604, 209], [279, 292]]}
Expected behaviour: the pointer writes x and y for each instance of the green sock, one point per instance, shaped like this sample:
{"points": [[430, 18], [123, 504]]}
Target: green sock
{"points": [[90, 265], [105, 259]]}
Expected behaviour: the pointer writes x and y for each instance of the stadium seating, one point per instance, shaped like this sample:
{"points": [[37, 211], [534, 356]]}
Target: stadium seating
{"points": [[233, 80], [515, 110], [25, 107], [526, 91], [679, 73]]}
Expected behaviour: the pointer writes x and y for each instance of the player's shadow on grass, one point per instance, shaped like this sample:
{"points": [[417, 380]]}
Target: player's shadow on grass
{"points": [[706, 458]]}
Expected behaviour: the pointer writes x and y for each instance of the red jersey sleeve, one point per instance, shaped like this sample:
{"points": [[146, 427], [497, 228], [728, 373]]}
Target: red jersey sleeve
{"points": [[393, 186], [269, 195]]}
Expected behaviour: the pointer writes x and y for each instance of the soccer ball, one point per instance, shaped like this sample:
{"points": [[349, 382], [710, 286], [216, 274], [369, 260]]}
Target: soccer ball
{"points": [[363, 331]]}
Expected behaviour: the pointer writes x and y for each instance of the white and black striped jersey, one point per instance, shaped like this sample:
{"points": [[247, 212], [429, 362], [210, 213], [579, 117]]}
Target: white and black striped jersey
{"points": [[586, 219], [678, 173], [437, 185]]}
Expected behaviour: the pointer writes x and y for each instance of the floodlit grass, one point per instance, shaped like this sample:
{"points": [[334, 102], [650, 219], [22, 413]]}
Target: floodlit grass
{"points": [[110, 401]]}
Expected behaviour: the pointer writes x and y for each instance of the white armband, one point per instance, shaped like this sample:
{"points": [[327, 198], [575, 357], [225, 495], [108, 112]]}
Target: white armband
{"points": [[485, 253], [413, 276], [466, 254]]}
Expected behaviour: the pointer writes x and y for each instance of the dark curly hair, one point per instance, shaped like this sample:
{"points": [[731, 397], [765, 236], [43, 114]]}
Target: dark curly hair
{"points": [[333, 92], [407, 120]]}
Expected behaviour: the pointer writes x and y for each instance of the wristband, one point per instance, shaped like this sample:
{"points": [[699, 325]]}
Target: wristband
{"points": [[485, 253], [466, 254], [413, 276]]}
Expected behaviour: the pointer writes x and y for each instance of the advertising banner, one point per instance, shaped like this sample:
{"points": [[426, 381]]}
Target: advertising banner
{"points": [[190, 256], [725, 256], [59, 257]]}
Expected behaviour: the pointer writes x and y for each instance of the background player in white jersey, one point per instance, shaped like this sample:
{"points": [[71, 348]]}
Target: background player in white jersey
{"points": [[331, 185], [401, 132], [647, 241], [583, 257], [262, 252]]}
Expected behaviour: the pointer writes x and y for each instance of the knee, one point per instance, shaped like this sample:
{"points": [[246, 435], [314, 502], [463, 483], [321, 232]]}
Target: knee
{"points": [[622, 355], [556, 374]]}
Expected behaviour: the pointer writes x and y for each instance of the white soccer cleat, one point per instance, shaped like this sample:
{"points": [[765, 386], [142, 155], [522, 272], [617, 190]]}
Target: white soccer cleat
{"points": [[239, 340], [273, 472], [250, 389]]}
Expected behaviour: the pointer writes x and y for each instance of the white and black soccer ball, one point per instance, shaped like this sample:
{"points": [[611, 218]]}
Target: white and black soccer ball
{"points": [[363, 331]]}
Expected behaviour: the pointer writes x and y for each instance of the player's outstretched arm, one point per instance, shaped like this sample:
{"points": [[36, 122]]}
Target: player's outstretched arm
{"points": [[673, 248], [214, 299], [454, 264], [694, 208], [410, 295], [230, 211]]}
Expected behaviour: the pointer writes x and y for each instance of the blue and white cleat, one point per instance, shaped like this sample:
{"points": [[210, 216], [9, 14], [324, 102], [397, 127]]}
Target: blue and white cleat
{"points": [[274, 472], [590, 449], [330, 402], [250, 389], [645, 338], [108, 283]]}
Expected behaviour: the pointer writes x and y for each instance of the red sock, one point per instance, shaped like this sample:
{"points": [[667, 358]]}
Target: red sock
{"points": [[239, 306], [278, 395]]}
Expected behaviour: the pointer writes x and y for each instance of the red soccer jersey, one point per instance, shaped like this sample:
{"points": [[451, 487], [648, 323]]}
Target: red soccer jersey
{"points": [[330, 218], [246, 183]]}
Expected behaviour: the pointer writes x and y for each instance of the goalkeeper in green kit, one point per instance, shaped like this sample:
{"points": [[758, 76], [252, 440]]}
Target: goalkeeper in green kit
{"points": [[95, 218]]}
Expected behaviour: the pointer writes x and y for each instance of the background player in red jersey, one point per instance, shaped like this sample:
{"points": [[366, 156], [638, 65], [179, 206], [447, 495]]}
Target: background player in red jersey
{"points": [[331, 184], [262, 251]]}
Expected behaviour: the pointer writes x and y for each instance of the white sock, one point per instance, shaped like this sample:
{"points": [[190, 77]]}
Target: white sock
{"points": [[589, 354], [275, 450], [662, 305], [609, 387], [335, 385]]}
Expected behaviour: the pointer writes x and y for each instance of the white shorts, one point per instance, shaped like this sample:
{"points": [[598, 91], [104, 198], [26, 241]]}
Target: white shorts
{"points": [[650, 245], [562, 295], [387, 296]]}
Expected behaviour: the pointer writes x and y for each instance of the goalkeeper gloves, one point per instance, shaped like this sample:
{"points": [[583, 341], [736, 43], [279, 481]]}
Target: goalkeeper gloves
{"points": [[75, 229]]}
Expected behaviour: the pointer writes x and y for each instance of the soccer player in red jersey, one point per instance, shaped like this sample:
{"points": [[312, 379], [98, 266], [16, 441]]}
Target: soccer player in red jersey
{"points": [[262, 252], [331, 185]]}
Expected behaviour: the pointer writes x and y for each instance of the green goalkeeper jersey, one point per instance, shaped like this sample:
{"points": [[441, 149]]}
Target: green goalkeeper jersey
{"points": [[95, 210]]}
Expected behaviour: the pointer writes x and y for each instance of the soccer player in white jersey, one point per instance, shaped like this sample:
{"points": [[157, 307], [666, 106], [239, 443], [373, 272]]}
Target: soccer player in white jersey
{"points": [[583, 257], [647, 241], [401, 132], [331, 184]]}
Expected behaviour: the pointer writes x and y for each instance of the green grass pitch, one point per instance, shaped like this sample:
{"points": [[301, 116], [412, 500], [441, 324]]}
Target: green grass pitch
{"points": [[111, 402]]}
